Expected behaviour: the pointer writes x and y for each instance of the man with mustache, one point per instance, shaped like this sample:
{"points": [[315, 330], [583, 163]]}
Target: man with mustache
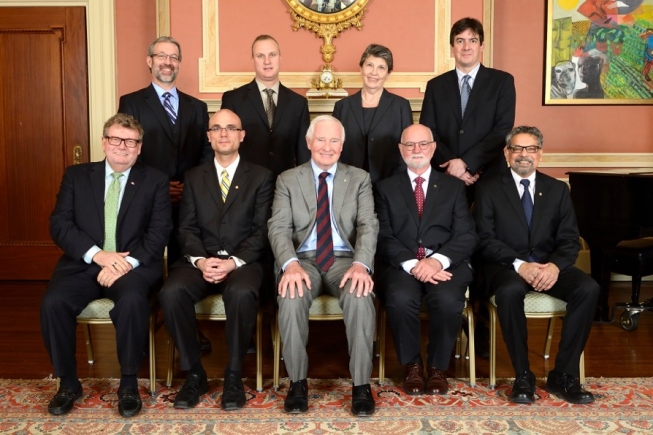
{"points": [[426, 236], [529, 242]]}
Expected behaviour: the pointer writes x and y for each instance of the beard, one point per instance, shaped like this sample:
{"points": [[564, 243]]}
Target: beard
{"points": [[418, 161], [520, 169]]}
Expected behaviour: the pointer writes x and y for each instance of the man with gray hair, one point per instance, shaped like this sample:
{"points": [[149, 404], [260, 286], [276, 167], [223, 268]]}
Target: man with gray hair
{"points": [[529, 241], [323, 234]]}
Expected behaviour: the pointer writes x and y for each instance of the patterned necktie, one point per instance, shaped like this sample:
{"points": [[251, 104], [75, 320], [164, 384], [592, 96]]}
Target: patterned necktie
{"points": [[167, 104], [527, 202], [270, 107], [224, 185], [465, 90], [111, 213], [324, 247], [419, 199]]}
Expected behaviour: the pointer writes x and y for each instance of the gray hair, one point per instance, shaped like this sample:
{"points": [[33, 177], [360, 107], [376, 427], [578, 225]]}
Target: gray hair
{"points": [[318, 119], [170, 39], [525, 129], [377, 50]]}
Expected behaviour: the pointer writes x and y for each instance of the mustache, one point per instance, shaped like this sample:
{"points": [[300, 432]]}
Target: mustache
{"points": [[523, 159]]}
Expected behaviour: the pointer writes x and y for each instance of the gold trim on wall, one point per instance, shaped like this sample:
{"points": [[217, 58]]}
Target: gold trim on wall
{"points": [[163, 17], [101, 37], [211, 79]]}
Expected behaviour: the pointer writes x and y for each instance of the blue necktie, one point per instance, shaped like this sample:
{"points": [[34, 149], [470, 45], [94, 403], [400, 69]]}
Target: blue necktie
{"points": [[465, 90], [167, 104], [527, 202]]}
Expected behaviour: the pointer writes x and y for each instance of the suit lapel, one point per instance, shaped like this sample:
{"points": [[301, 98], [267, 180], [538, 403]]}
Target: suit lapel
{"points": [[183, 117], [356, 106], [512, 195], [384, 104], [541, 191], [158, 111], [452, 94], [133, 184], [408, 194], [240, 180], [97, 175], [254, 97], [480, 86], [431, 194], [306, 183], [213, 184], [282, 103], [340, 186]]}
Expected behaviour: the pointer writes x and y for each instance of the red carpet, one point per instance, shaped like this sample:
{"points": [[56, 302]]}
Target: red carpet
{"points": [[623, 406]]}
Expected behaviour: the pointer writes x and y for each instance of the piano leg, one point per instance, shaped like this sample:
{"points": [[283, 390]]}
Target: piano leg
{"points": [[599, 262]]}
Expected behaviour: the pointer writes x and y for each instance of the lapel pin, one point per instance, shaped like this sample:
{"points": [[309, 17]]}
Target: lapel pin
{"points": [[236, 187], [539, 193], [133, 184], [435, 185]]}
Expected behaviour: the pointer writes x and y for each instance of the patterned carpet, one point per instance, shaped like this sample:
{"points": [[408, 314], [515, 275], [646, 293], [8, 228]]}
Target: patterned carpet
{"points": [[623, 406]]}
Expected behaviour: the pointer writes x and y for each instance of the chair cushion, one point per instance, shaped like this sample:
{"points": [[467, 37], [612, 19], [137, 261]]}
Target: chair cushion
{"points": [[325, 304], [98, 309], [538, 302], [211, 305]]}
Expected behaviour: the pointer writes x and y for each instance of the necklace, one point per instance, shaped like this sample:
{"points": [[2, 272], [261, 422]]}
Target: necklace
{"points": [[373, 103]]}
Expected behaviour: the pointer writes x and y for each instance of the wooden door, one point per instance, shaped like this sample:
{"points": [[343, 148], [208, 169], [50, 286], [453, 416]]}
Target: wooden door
{"points": [[43, 126]]}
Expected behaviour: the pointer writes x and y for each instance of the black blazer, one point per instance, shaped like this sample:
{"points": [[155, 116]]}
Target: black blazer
{"points": [[238, 226], [391, 117], [446, 226], [172, 150], [503, 230], [281, 146], [490, 114], [144, 218]]}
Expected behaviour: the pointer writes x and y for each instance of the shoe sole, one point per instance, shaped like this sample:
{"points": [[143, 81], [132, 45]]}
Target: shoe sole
{"points": [[573, 402], [522, 402], [295, 411]]}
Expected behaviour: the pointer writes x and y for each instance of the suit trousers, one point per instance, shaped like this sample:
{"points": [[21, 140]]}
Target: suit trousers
{"points": [[186, 286], [445, 301], [359, 317], [575, 287], [67, 296]]}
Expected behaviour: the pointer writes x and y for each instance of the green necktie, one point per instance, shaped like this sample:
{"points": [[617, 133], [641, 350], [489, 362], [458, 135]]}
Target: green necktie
{"points": [[224, 185], [111, 213]]}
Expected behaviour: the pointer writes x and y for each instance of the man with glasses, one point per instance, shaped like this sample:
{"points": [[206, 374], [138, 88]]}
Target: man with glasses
{"points": [[529, 241], [112, 221], [175, 124], [223, 238], [426, 236]]}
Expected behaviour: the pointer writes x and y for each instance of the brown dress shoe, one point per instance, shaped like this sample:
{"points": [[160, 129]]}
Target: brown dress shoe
{"points": [[414, 382], [436, 383]]}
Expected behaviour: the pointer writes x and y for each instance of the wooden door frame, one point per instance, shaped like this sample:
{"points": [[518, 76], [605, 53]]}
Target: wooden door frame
{"points": [[101, 55]]}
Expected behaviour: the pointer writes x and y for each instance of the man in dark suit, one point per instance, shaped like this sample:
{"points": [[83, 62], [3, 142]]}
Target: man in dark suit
{"points": [[426, 236], [469, 143], [223, 236], [175, 136], [112, 220], [274, 117], [531, 244], [323, 235]]}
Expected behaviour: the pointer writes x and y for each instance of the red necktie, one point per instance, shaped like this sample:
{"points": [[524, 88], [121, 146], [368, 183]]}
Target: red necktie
{"points": [[324, 247], [419, 200]]}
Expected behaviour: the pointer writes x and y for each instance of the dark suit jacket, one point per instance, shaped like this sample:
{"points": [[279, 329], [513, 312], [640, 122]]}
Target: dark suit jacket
{"points": [[503, 230], [278, 148], [238, 226], [490, 114], [446, 226], [390, 118], [172, 150], [144, 219]]}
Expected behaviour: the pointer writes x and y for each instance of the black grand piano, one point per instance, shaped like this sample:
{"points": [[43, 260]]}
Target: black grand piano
{"points": [[611, 206]]}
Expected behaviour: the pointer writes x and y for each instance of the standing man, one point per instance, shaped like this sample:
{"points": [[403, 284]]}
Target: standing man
{"points": [[529, 242], [112, 221], [222, 232], [426, 236], [175, 124], [274, 117], [323, 234], [469, 109]]}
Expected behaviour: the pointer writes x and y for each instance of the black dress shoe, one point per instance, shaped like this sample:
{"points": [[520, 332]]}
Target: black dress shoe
{"points": [[233, 393], [414, 379], [568, 388], [362, 401], [523, 389], [193, 388], [129, 401], [63, 401], [297, 398]]}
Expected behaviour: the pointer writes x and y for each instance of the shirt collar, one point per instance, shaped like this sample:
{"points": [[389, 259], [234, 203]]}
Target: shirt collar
{"points": [[317, 170], [160, 91], [425, 175], [472, 75], [108, 170], [231, 169], [518, 179], [262, 87]]}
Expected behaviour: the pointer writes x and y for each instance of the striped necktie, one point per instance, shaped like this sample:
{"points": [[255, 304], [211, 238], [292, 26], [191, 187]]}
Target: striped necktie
{"points": [[270, 107], [324, 247], [167, 104], [224, 185], [111, 213], [465, 90]]}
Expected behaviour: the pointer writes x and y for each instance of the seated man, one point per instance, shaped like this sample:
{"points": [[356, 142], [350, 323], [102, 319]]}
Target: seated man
{"points": [[426, 236], [112, 219], [323, 234], [222, 235], [531, 244]]}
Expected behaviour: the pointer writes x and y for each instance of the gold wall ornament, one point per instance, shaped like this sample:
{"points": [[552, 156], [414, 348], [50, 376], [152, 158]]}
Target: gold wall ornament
{"points": [[327, 18]]}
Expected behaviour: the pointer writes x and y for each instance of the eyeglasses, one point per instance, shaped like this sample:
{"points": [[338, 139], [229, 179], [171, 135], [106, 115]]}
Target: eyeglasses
{"points": [[422, 145], [229, 128], [517, 149], [162, 57], [116, 141]]}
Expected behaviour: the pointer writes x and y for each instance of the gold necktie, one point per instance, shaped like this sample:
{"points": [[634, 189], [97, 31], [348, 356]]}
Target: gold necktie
{"points": [[224, 185]]}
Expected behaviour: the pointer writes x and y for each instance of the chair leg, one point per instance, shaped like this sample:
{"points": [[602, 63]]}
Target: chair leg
{"points": [[171, 361], [276, 337], [152, 337], [470, 344], [493, 346], [381, 338], [637, 283], [549, 336], [581, 368], [259, 352], [89, 346]]}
